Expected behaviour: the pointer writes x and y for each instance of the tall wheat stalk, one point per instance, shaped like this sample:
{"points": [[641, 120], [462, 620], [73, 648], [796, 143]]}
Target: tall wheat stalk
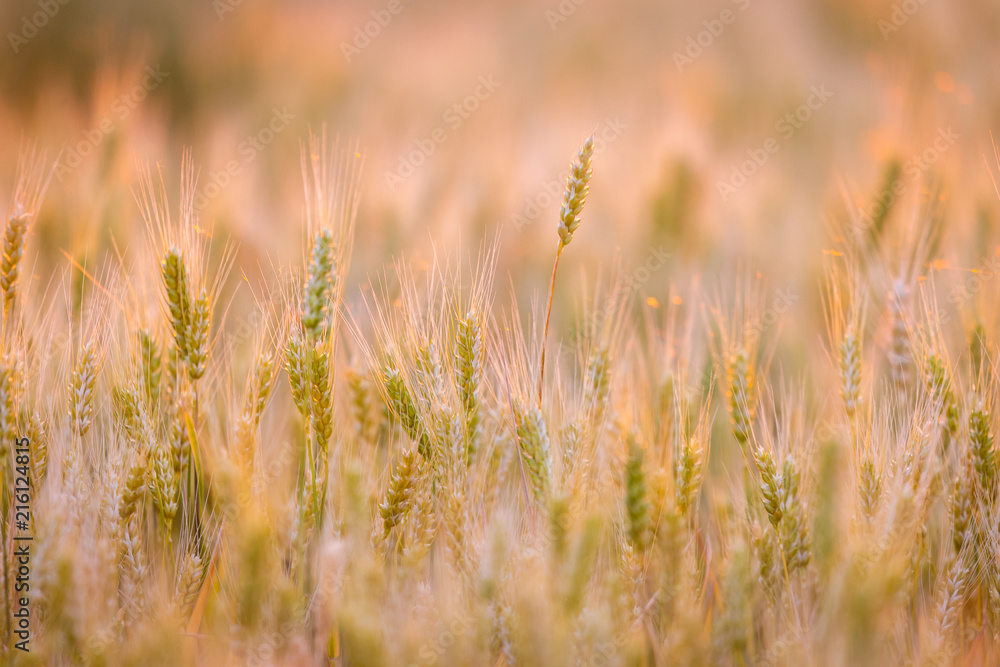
{"points": [[569, 220]]}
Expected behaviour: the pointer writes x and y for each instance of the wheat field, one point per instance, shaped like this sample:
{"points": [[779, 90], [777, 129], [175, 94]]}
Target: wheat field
{"points": [[348, 351]]}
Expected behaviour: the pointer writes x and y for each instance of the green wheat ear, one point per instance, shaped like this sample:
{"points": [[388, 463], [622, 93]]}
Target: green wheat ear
{"points": [[403, 407], [319, 285], [468, 372], [740, 394], [200, 323], [175, 281], [636, 506], [981, 449], [533, 444], [298, 368], [850, 370], [150, 364]]}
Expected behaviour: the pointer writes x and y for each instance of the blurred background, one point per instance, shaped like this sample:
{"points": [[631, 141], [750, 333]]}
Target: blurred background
{"points": [[729, 131]]}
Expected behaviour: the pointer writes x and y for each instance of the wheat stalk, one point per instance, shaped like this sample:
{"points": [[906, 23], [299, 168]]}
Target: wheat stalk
{"points": [[569, 220]]}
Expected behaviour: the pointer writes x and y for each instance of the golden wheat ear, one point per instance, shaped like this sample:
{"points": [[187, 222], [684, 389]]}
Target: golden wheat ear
{"points": [[31, 183]]}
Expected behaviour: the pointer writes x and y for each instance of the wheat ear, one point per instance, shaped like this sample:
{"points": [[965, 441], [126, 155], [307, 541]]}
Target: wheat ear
{"points": [[636, 506], [13, 252], [175, 281], [569, 219], [468, 372], [319, 285], [981, 448], [81, 405], [533, 445]]}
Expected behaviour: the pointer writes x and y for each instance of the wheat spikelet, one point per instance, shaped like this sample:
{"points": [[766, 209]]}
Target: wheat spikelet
{"points": [[179, 436], [133, 571], [767, 563], [939, 388], [978, 348], [533, 447], [468, 375], [31, 184], [962, 521], [454, 525], [149, 364], [636, 505], [850, 370], [422, 526], [576, 193], [298, 369], [258, 391], [398, 496], [598, 379], [900, 358], [741, 395], [429, 366], [39, 446], [263, 382], [572, 439], [569, 219], [13, 252], [794, 532], [319, 285], [188, 585], [688, 475], [197, 338], [132, 416], [133, 490], [361, 407], [405, 411], [81, 389], [175, 282], [163, 486], [321, 393], [948, 608], [981, 448], [869, 488], [771, 489]]}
